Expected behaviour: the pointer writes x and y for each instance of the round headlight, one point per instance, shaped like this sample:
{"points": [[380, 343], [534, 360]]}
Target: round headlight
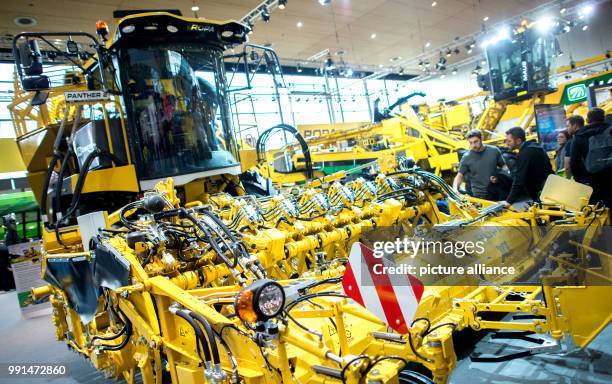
{"points": [[270, 300], [260, 301]]}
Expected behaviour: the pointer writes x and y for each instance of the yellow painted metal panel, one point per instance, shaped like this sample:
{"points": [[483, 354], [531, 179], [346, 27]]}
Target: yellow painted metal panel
{"points": [[11, 157]]}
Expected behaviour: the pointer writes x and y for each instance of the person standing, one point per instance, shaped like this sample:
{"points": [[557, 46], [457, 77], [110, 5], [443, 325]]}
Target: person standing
{"points": [[600, 182], [574, 124], [532, 167], [478, 165], [562, 139]]}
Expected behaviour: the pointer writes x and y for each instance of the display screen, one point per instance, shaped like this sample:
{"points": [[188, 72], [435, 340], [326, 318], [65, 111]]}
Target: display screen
{"points": [[550, 120]]}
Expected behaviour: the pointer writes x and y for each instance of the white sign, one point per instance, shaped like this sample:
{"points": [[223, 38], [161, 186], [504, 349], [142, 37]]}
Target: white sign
{"points": [[26, 271], [73, 97]]}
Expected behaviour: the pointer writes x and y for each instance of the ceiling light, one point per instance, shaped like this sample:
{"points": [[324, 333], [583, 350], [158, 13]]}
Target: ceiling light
{"points": [[434, 3], [420, 63], [585, 27], [380, 65], [25, 21], [325, 2], [299, 24], [195, 8], [449, 52], [401, 71], [298, 68], [483, 62], [486, 18], [455, 71], [562, 11], [373, 36], [282, 4], [427, 44], [427, 64]]}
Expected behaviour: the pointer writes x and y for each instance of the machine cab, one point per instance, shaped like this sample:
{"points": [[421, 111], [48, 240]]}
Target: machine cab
{"points": [[520, 64]]}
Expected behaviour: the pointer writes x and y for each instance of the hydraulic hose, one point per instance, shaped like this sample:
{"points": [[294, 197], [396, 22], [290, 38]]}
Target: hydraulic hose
{"points": [[123, 343], [212, 343], [44, 193], [198, 332]]}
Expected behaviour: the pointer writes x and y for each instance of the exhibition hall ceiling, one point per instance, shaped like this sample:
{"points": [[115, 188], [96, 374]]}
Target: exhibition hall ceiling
{"points": [[369, 32]]}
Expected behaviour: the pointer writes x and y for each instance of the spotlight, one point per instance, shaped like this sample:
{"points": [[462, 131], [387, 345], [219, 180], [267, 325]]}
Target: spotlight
{"points": [[282, 4], [441, 63], [251, 26], [486, 18], [448, 52], [567, 27], [562, 11], [585, 27], [421, 64], [298, 68], [544, 23], [454, 71], [401, 71], [483, 62], [586, 11], [195, 8], [329, 64], [373, 36], [265, 14], [427, 45], [299, 24], [427, 64], [502, 34]]}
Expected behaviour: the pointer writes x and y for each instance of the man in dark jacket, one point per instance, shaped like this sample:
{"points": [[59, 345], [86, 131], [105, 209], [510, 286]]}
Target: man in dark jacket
{"points": [[532, 167], [600, 182]]}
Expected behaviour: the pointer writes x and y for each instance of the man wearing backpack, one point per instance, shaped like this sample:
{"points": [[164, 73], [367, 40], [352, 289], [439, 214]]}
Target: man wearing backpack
{"points": [[590, 159]]}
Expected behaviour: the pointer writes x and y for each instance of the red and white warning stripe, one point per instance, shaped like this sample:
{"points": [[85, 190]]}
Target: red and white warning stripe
{"points": [[393, 298]]}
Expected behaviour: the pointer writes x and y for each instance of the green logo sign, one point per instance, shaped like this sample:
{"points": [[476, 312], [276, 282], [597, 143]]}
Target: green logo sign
{"points": [[576, 92]]}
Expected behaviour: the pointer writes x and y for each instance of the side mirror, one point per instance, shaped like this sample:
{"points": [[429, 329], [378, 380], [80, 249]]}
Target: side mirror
{"points": [[31, 58]]}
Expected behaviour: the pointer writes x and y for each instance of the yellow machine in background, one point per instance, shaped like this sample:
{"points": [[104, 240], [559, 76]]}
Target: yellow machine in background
{"points": [[404, 135]]}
